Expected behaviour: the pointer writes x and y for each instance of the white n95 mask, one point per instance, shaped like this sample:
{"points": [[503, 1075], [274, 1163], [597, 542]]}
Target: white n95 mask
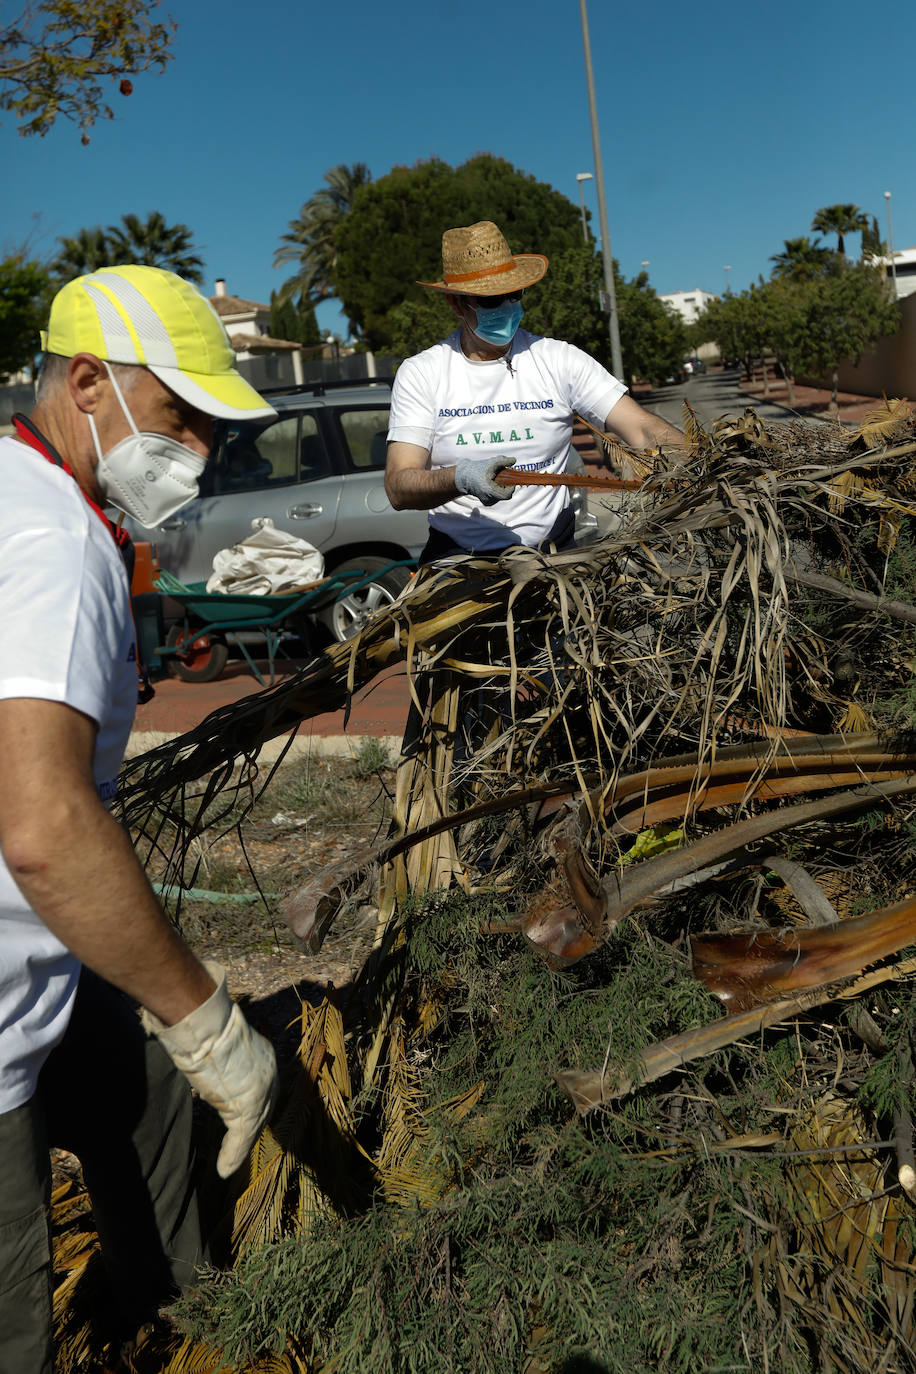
{"points": [[147, 476]]}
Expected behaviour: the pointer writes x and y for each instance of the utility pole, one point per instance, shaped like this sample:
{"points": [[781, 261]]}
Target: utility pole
{"points": [[890, 242], [614, 327]]}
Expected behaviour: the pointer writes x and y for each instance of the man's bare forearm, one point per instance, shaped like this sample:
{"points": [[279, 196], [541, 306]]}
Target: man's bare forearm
{"points": [[640, 428], [665, 434], [412, 488], [77, 869]]}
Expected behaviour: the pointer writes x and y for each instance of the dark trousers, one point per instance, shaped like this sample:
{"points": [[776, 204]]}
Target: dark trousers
{"points": [[562, 535], [112, 1096]]}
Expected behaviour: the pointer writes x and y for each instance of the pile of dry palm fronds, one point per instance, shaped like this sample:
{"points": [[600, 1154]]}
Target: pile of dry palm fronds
{"points": [[675, 766]]}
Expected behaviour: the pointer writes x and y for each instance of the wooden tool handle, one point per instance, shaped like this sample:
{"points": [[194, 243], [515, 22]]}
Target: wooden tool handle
{"points": [[512, 477]]}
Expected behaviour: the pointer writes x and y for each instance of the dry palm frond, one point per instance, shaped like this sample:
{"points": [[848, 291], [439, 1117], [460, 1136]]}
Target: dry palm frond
{"points": [[855, 720], [842, 488], [182, 1355], [300, 1171], [402, 1108], [588, 1089], [698, 441], [851, 1273], [78, 1283], [176, 1355], [406, 1170], [739, 605], [883, 425], [616, 455], [888, 530]]}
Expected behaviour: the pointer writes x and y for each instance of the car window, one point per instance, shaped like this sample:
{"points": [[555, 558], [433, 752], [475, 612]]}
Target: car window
{"points": [[258, 454], [366, 433], [313, 455]]}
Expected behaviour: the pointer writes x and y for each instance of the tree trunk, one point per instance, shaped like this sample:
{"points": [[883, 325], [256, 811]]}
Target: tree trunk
{"points": [[766, 377], [834, 408], [790, 386]]}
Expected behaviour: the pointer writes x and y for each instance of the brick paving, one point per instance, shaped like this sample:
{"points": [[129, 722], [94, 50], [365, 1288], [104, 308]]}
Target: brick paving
{"points": [[812, 401], [378, 710]]}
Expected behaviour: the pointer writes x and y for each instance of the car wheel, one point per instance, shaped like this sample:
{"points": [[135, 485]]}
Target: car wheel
{"points": [[197, 658], [348, 615]]}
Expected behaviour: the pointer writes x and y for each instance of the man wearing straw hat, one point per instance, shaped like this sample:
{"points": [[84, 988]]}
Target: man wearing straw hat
{"points": [[492, 396], [136, 364]]}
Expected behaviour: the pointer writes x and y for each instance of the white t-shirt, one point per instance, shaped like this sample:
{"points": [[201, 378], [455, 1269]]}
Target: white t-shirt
{"points": [[521, 405], [66, 635]]}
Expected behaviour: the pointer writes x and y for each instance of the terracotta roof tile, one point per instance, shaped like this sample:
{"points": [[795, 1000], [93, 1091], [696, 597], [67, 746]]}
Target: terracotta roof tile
{"points": [[253, 341], [235, 305]]}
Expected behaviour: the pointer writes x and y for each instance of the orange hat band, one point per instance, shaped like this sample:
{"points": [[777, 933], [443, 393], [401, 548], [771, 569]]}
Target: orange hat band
{"points": [[450, 277]]}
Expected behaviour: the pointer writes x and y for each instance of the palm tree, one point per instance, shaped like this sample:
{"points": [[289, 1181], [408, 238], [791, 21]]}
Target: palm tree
{"points": [[153, 243], [802, 259], [310, 240], [839, 220], [85, 252]]}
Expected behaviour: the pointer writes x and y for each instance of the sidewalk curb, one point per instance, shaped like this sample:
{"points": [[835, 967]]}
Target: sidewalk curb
{"points": [[304, 746]]}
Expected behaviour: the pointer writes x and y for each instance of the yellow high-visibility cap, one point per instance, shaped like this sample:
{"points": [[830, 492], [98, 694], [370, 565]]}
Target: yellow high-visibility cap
{"points": [[151, 318]]}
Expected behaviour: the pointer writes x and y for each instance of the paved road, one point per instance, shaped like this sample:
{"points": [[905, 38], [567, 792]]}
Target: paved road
{"points": [[711, 395]]}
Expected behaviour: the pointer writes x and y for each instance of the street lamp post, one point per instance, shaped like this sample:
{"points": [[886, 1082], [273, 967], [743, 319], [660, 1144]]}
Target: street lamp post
{"points": [[726, 270], [645, 263], [613, 325], [890, 241], [580, 177]]}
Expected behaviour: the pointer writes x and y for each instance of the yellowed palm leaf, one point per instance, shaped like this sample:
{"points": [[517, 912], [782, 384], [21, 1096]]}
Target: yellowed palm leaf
{"points": [[882, 424], [283, 1193], [407, 1174], [698, 441], [843, 488], [855, 720], [888, 530], [850, 1222]]}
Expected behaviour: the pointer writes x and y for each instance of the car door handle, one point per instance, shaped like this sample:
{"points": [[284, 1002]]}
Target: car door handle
{"points": [[177, 524], [304, 512]]}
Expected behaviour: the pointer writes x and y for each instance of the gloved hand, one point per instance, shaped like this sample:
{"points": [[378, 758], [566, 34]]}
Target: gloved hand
{"points": [[229, 1064], [474, 477]]}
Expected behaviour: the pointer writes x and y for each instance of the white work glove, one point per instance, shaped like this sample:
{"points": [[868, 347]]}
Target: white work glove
{"points": [[229, 1064], [474, 477]]}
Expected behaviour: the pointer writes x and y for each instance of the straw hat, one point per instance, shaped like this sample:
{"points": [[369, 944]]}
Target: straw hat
{"points": [[476, 261]]}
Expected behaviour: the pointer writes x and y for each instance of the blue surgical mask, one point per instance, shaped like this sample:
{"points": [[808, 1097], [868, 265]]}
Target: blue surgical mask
{"points": [[498, 324]]}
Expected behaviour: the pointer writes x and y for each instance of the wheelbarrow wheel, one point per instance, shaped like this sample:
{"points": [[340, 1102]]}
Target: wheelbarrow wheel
{"points": [[197, 658]]}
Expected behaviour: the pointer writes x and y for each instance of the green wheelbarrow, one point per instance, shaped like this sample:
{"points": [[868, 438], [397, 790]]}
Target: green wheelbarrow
{"points": [[199, 643]]}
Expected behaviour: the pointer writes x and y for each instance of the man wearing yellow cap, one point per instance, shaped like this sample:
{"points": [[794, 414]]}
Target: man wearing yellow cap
{"points": [[136, 364], [493, 396]]}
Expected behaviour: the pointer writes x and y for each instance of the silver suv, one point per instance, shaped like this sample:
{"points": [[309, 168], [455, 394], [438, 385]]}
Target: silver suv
{"points": [[317, 470]]}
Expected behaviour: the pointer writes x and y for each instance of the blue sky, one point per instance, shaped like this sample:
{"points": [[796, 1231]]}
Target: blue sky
{"points": [[723, 126]]}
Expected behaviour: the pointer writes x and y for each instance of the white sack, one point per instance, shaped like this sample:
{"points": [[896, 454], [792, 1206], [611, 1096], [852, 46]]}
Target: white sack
{"points": [[269, 560]]}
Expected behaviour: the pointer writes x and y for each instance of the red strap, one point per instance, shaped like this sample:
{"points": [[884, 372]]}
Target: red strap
{"points": [[36, 440]]}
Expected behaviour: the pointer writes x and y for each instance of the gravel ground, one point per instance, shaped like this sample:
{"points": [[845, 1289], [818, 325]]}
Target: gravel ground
{"points": [[306, 820]]}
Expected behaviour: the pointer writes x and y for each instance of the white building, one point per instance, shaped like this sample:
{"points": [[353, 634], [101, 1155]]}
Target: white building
{"points": [[904, 269], [688, 304], [248, 325]]}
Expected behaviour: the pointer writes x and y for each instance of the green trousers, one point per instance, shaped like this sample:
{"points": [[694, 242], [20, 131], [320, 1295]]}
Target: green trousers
{"points": [[111, 1095]]}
